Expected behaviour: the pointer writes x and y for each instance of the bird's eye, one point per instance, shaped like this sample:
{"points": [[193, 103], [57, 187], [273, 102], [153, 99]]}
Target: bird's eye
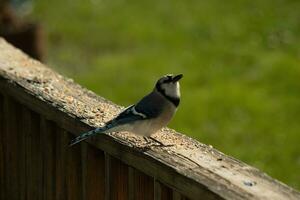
{"points": [[167, 81]]}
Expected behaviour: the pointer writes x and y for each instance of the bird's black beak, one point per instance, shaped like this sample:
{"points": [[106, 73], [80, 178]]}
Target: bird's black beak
{"points": [[177, 78]]}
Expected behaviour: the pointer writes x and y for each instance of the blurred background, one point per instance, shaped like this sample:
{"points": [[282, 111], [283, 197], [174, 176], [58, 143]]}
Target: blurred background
{"points": [[240, 60]]}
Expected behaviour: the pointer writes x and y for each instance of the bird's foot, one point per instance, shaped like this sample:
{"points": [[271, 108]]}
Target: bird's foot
{"points": [[144, 148], [151, 142], [158, 143]]}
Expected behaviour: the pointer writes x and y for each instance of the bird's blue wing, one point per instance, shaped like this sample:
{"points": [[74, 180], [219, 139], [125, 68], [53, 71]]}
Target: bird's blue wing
{"points": [[151, 106], [127, 116]]}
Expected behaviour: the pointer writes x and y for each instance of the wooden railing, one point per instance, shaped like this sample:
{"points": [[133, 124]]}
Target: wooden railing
{"points": [[41, 111]]}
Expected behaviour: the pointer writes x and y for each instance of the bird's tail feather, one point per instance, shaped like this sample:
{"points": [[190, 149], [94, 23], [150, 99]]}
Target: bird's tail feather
{"points": [[86, 135]]}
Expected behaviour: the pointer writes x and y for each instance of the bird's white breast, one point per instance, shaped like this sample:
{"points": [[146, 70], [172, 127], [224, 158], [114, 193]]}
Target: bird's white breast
{"points": [[151, 126]]}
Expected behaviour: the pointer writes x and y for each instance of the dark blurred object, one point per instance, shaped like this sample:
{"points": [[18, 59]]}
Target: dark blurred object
{"points": [[22, 34]]}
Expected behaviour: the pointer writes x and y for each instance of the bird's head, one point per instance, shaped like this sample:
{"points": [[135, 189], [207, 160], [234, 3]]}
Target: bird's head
{"points": [[169, 87]]}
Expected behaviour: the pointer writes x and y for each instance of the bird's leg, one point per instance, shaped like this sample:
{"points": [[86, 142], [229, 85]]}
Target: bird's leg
{"points": [[155, 140], [147, 140], [147, 145], [152, 140], [160, 143]]}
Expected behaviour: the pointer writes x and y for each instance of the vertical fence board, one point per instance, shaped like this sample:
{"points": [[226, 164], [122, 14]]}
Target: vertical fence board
{"points": [[2, 141], [166, 192], [84, 172], [73, 171], [60, 164], [178, 196], [22, 155], [48, 137], [11, 109], [141, 186], [162, 192], [131, 182], [95, 174], [107, 176], [118, 179], [157, 190], [33, 154]]}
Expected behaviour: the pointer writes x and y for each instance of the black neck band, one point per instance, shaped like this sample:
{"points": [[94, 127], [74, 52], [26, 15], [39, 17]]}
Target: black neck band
{"points": [[174, 100]]}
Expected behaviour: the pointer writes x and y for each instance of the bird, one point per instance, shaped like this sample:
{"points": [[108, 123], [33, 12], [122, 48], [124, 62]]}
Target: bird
{"points": [[147, 116]]}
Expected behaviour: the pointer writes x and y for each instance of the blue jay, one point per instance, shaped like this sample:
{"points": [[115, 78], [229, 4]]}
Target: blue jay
{"points": [[149, 115]]}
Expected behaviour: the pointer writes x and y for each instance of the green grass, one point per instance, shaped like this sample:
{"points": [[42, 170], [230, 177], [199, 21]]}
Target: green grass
{"points": [[241, 90]]}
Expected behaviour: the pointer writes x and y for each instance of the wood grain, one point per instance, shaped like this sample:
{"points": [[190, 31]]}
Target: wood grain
{"points": [[141, 186], [73, 168], [22, 154], [166, 192], [177, 196], [162, 192], [33, 154], [60, 164], [2, 149], [48, 137], [11, 150], [118, 179], [95, 174]]}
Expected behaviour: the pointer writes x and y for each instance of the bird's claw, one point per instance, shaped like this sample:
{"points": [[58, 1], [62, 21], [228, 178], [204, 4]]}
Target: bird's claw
{"points": [[153, 143]]}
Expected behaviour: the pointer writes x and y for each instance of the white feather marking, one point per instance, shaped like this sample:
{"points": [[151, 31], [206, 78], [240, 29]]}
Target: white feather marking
{"points": [[137, 113], [171, 89]]}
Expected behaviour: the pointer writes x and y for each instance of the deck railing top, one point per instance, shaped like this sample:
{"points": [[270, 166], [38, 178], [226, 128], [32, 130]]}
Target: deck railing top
{"points": [[192, 168]]}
